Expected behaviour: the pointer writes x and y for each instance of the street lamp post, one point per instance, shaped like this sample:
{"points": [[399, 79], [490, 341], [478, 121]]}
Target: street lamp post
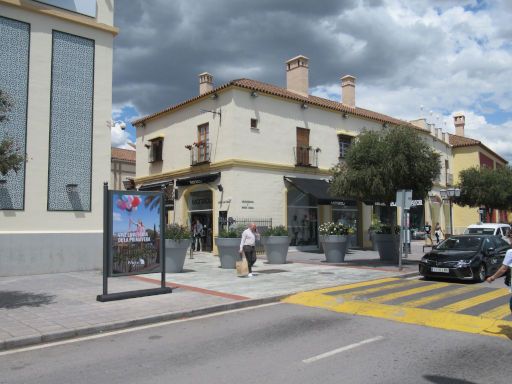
{"points": [[450, 194]]}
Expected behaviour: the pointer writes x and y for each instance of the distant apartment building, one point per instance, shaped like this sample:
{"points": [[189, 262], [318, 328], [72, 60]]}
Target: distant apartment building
{"points": [[469, 153], [249, 149], [56, 66], [122, 169]]}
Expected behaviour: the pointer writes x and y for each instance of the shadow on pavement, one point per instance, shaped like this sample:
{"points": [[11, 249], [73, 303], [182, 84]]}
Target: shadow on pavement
{"points": [[505, 330], [437, 379], [18, 299]]}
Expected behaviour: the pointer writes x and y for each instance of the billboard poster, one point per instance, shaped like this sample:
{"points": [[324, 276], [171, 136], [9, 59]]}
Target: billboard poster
{"points": [[135, 244]]}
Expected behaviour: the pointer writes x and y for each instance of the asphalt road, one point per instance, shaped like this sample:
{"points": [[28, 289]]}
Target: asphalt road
{"points": [[280, 343]]}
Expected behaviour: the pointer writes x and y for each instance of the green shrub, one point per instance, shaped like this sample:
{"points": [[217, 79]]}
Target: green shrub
{"points": [[233, 231], [384, 229], [177, 232], [278, 230]]}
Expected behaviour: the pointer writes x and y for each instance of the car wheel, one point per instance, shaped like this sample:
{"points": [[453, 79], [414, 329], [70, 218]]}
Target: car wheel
{"points": [[481, 273]]}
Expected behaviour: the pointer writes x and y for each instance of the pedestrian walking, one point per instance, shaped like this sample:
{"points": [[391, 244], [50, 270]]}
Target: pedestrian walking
{"points": [[504, 269], [198, 230], [438, 232], [428, 230], [248, 245]]}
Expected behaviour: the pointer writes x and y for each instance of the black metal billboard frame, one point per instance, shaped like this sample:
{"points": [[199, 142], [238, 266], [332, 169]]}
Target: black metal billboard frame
{"points": [[107, 254]]}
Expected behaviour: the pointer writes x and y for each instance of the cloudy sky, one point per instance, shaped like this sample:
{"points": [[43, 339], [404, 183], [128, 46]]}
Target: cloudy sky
{"points": [[412, 58]]}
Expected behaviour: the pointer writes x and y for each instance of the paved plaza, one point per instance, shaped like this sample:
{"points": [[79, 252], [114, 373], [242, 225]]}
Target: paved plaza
{"points": [[41, 308]]}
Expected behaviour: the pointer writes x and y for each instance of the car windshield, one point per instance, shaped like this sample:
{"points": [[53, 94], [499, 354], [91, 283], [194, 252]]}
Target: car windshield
{"points": [[470, 243], [480, 231]]}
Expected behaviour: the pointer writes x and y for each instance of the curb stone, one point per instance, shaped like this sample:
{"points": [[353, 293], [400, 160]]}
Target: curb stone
{"points": [[88, 331]]}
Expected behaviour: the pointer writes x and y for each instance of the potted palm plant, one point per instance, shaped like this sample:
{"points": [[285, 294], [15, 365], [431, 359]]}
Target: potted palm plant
{"points": [[228, 244], [334, 239], [177, 241], [275, 240]]}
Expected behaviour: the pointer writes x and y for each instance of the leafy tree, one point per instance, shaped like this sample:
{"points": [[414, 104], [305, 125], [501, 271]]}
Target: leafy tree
{"points": [[10, 158], [378, 164], [485, 187]]}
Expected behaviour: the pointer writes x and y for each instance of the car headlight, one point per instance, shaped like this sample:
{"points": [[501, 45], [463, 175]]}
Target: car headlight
{"points": [[463, 263]]}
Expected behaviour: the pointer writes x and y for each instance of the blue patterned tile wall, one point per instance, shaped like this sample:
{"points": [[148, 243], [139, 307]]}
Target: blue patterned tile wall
{"points": [[14, 56], [71, 123]]}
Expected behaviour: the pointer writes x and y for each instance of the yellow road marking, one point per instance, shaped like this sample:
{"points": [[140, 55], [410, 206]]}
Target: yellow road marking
{"points": [[396, 295], [429, 299], [357, 285], [351, 295], [471, 302], [426, 317], [498, 312]]}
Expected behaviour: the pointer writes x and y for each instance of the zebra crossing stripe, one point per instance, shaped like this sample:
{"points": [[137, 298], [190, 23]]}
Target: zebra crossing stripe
{"points": [[497, 313], [357, 293], [432, 298], [334, 290], [408, 292], [471, 302]]}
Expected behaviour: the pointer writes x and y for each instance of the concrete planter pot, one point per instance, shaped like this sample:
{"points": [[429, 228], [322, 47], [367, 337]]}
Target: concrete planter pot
{"points": [[175, 253], [388, 246], [276, 248], [228, 251], [372, 238], [352, 241], [335, 247]]}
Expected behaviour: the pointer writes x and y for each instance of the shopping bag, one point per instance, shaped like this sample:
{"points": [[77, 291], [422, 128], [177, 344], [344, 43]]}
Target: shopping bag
{"points": [[242, 268]]}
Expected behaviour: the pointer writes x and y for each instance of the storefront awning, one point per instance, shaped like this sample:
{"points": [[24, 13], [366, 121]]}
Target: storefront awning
{"points": [[155, 186], [319, 189], [199, 179]]}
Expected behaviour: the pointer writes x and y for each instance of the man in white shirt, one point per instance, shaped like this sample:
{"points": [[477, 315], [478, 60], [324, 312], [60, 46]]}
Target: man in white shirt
{"points": [[507, 264], [248, 245]]}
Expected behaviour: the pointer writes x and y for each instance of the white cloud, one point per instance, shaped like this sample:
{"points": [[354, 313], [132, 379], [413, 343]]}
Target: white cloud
{"points": [[447, 55], [120, 138]]}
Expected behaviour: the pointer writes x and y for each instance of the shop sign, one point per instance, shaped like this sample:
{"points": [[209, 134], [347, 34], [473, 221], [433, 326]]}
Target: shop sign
{"points": [[135, 219], [197, 180], [247, 204], [200, 200]]}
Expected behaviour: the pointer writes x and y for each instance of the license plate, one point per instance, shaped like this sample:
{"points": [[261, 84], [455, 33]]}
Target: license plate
{"points": [[442, 270]]}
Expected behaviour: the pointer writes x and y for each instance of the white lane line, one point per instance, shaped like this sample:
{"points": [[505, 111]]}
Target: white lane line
{"points": [[342, 349], [127, 330]]}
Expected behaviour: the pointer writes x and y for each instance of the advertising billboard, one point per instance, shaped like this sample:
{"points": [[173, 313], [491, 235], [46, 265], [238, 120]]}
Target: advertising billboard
{"points": [[136, 228]]}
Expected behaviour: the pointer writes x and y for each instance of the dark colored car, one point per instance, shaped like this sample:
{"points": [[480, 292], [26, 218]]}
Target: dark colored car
{"points": [[468, 257]]}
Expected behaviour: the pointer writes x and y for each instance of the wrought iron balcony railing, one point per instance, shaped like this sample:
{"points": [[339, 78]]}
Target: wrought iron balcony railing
{"points": [[199, 153], [306, 156]]}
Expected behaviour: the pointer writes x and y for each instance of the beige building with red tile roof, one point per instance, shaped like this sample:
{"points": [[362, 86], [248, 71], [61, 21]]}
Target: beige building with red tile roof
{"points": [[122, 168], [468, 153], [250, 149]]}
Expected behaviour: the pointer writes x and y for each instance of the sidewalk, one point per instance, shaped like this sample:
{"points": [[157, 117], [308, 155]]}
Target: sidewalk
{"points": [[43, 308]]}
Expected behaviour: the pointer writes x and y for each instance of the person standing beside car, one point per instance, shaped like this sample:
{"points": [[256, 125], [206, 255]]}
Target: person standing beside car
{"points": [[504, 269], [438, 232], [248, 245], [428, 230]]}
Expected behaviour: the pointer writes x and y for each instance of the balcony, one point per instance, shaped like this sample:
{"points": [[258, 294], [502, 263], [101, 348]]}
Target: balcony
{"points": [[199, 153], [306, 156]]}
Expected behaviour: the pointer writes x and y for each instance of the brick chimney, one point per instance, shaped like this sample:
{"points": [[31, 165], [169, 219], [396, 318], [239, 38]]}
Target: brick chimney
{"points": [[205, 83], [348, 90], [297, 75], [459, 120]]}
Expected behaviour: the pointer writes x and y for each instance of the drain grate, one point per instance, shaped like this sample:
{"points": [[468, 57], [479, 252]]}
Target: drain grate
{"points": [[269, 271]]}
